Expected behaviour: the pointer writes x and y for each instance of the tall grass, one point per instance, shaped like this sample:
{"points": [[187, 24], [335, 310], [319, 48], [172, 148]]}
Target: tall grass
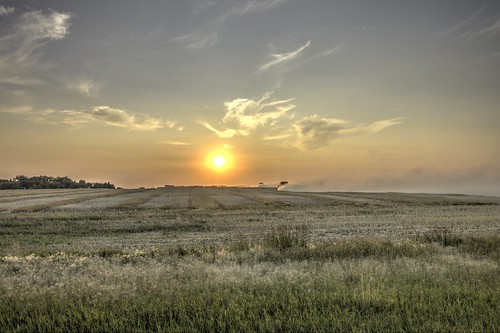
{"points": [[273, 307], [281, 282], [482, 245]]}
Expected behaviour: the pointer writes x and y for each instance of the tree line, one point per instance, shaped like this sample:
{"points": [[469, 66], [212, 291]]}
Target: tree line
{"points": [[48, 182]]}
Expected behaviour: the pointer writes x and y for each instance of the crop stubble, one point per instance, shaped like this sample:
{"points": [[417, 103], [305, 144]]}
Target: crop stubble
{"points": [[177, 258]]}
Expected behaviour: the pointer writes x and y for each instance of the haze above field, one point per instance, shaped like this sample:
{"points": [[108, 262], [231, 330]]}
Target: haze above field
{"points": [[329, 95]]}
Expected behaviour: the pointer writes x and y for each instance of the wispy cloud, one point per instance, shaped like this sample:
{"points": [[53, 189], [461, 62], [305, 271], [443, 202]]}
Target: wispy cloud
{"points": [[244, 116], [371, 128], [21, 110], [337, 48], [474, 27], [458, 26], [174, 143], [276, 137], [102, 113], [6, 10], [283, 57], [224, 134], [485, 32], [251, 6], [198, 40], [315, 131], [86, 87], [271, 120], [199, 6], [249, 114], [207, 35], [122, 118], [21, 44]]}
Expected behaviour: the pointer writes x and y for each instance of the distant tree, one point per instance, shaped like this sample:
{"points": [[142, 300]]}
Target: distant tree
{"points": [[46, 182], [23, 181], [9, 184]]}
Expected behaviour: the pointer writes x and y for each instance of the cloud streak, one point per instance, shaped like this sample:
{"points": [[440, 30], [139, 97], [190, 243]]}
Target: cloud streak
{"points": [[224, 134], [122, 118], [461, 24], [21, 44], [175, 143], [197, 40], [101, 114], [283, 57], [4, 11], [207, 36], [469, 30], [86, 87], [486, 32], [315, 132]]}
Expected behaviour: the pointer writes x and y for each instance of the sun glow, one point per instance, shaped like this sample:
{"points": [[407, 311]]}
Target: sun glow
{"points": [[219, 160]]}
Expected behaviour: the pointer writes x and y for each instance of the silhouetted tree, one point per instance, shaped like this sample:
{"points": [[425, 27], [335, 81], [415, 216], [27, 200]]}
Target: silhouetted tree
{"points": [[36, 182]]}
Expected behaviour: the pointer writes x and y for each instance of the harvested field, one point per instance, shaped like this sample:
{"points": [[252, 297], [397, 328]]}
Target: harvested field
{"points": [[122, 199], [175, 258], [147, 218], [52, 198]]}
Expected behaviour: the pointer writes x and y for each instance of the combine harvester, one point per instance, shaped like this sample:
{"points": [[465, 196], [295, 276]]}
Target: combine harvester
{"points": [[275, 187]]}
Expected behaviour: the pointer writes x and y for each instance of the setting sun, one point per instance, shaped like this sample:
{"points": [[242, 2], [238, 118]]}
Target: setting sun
{"points": [[219, 161]]}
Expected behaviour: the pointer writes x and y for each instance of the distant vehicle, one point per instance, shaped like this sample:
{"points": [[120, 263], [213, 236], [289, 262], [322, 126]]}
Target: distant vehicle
{"points": [[276, 187]]}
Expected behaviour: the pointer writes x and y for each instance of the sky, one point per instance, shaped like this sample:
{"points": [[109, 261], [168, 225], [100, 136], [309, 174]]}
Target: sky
{"points": [[328, 95]]}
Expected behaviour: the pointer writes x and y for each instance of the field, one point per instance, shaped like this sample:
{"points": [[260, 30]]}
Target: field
{"points": [[247, 259]]}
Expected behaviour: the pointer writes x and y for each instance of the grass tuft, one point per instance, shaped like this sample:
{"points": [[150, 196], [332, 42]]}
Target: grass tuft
{"points": [[284, 238]]}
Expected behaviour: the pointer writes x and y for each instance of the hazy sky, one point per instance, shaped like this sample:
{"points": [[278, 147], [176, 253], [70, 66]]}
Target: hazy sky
{"points": [[329, 95]]}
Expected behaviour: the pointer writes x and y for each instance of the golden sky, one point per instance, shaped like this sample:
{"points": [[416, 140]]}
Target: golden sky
{"points": [[339, 95]]}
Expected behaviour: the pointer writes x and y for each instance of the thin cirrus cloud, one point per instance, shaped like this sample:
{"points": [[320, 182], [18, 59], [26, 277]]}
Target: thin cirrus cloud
{"points": [[226, 133], [174, 143], [6, 10], [473, 28], [86, 87], [118, 118], [461, 24], [281, 58], [102, 113], [489, 31], [243, 116], [207, 36], [21, 43], [315, 132], [198, 41]]}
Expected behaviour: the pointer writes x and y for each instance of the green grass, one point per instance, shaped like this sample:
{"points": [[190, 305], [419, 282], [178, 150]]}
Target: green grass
{"points": [[485, 245], [278, 283], [352, 298]]}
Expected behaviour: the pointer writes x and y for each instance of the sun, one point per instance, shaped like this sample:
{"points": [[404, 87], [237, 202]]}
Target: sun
{"points": [[219, 160]]}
